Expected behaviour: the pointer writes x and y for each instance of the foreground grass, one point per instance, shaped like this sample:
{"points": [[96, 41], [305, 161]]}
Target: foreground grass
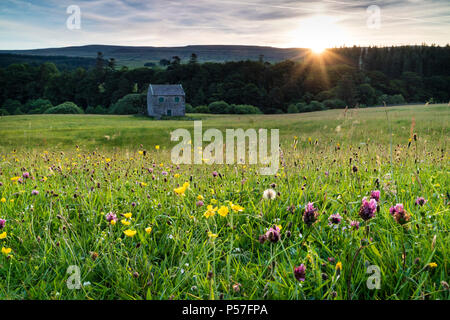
{"points": [[332, 159]]}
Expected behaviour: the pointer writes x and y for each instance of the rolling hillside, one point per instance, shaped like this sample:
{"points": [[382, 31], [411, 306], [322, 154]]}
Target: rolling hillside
{"points": [[138, 56]]}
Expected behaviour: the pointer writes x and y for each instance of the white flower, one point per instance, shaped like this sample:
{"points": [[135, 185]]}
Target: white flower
{"points": [[269, 194]]}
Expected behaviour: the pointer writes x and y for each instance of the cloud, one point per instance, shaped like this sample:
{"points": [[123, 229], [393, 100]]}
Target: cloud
{"points": [[42, 23]]}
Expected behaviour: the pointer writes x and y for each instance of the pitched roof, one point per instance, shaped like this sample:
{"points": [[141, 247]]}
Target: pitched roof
{"points": [[166, 89]]}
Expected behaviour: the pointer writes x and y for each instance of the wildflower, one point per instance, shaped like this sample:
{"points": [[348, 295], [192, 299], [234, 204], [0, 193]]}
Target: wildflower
{"points": [[6, 251], [2, 223], [110, 217], [420, 201], [130, 233], [399, 214], [213, 201], [236, 207], [368, 208], [3, 235], [15, 179], [334, 219], [310, 215], [200, 197], [375, 194], [34, 192], [157, 147], [354, 224], [128, 215], [223, 211], [215, 174], [164, 173], [212, 235], [300, 273], [269, 194], [113, 222], [107, 160], [148, 230], [125, 222], [200, 203], [181, 190], [432, 265], [3, 200], [26, 175], [210, 211], [273, 234], [339, 266]]}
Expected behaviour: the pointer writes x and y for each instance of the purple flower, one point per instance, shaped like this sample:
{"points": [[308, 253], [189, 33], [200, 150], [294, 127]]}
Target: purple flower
{"points": [[164, 173], [310, 215], [420, 201], [150, 170], [334, 219], [110, 217], [200, 203], [133, 204], [368, 208], [300, 272], [34, 192], [375, 195], [273, 234], [399, 213], [215, 174], [2, 223], [1, 183], [354, 224], [26, 175]]}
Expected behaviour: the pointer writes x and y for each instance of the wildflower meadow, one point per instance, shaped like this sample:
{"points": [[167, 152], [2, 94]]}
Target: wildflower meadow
{"points": [[91, 207]]}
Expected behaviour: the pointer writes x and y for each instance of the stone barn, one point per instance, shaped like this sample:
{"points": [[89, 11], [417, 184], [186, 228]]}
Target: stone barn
{"points": [[165, 100]]}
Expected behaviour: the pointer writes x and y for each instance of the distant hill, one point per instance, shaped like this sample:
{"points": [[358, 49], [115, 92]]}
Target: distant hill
{"points": [[62, 62], [138, 56]]}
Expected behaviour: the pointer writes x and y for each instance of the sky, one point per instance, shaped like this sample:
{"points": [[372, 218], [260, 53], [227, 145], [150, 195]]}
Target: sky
{"points": [[33, 24]]}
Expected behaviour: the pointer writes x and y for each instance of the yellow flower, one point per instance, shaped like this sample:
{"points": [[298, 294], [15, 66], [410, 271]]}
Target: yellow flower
{"points": [[432, 264], [108, 160], [210, 211], [236, 207], [130, 233], [176, 175], [339, 266], [141, 152], [125, 222], [148, 230], [6, 251], [181, 190], [212, 235], [157, 147], [143, 184], [279, 226], [113, 222], [213, 201], [200, 197], [223, 211], [3, 200], [128, 215], [14, 179], [3, 235]]}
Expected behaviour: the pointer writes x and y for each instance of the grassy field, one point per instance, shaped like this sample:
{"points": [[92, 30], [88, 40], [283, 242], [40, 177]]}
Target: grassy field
{"points": [[101, 194]]}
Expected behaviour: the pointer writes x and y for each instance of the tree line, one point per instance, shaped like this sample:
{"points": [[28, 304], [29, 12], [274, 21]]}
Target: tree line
{"points": [[338, 78]]}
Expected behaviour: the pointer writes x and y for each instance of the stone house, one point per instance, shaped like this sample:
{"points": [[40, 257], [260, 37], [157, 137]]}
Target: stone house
{"points": [[165, 100]]}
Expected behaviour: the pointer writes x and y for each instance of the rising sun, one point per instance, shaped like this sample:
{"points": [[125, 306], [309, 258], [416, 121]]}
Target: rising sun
{"points": [[318, 33]]}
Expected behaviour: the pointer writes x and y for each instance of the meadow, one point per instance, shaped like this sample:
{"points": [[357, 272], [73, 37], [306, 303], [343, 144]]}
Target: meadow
{"points": [[360, 200]]}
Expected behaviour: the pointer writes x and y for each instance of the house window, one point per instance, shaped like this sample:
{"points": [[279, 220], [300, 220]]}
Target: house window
{"points": [[169, 112], [177, 99], [161, 99]]}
